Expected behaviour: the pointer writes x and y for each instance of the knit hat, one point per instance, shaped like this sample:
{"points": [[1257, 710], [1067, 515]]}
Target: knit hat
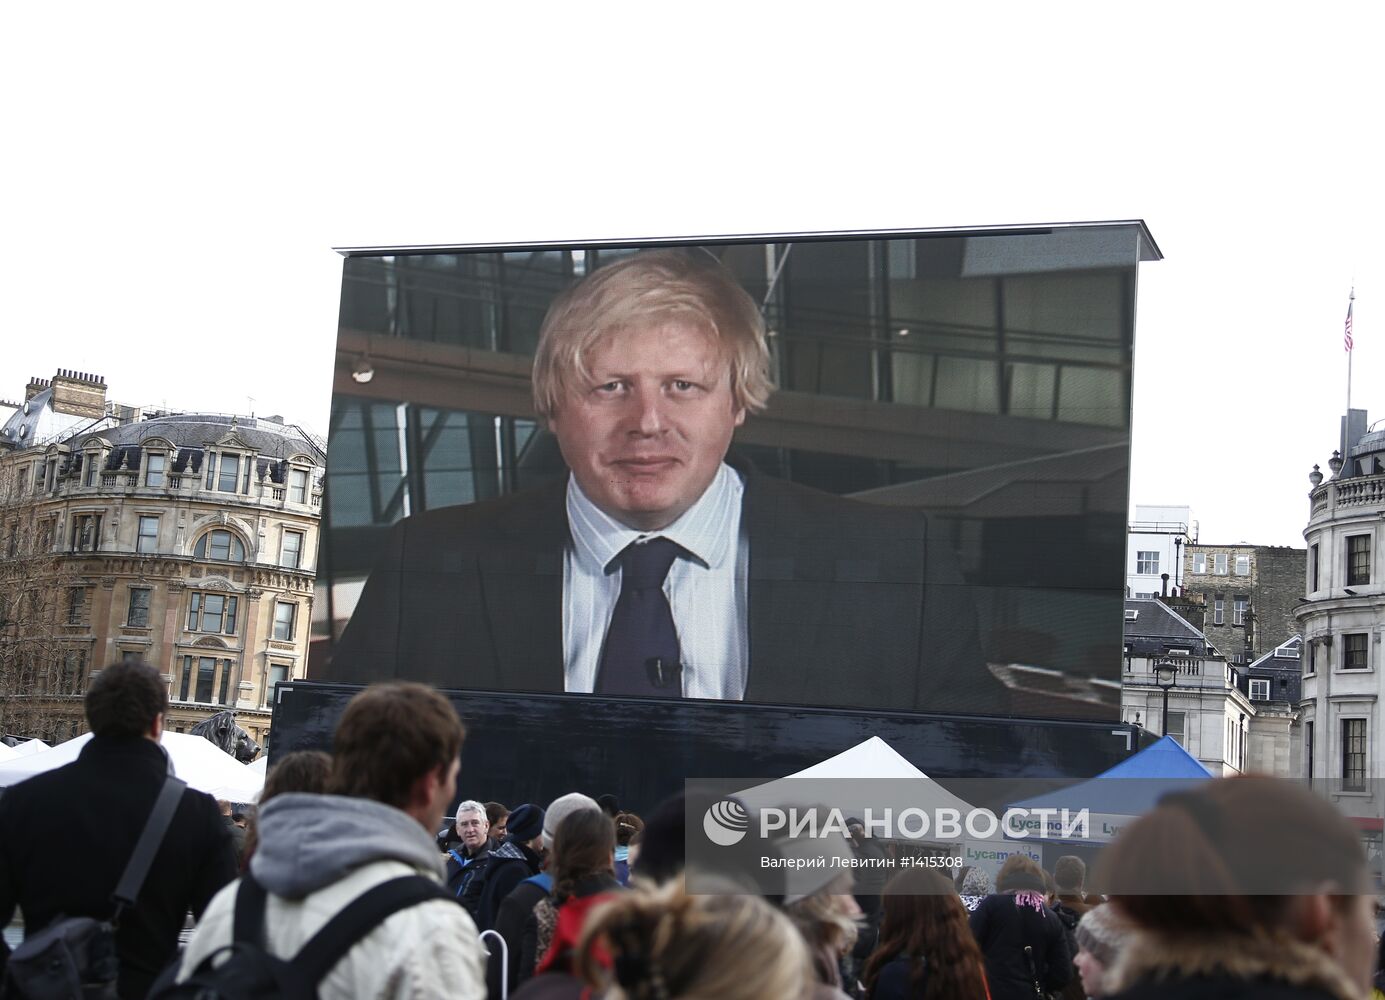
{"points": [[524, 824], [560, 809], [976, 883], [663, 845], [1103, 931]]}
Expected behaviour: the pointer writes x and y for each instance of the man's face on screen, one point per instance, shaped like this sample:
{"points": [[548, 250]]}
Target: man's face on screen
{"points": [[646, 433]]}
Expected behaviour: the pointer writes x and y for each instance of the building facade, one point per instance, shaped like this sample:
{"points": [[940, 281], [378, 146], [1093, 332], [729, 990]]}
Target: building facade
{"points": [[1342, 618], [1250, 593], [185, 540], [1209, 713], [1154, 548]]}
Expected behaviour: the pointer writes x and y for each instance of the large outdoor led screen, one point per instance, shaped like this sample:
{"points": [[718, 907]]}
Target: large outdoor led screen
{"points": [[877, 471]]}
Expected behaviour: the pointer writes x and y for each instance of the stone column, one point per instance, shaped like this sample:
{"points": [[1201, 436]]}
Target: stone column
{"points": [[250, 655]]}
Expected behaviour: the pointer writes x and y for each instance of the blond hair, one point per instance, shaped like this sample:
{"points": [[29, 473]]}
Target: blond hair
{"points": [[668, 944], [649, 289]]}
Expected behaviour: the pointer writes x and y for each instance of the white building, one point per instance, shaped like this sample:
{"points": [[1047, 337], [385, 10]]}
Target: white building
{"points": [[1154, 547], [1342, 617], [1209, 712]]}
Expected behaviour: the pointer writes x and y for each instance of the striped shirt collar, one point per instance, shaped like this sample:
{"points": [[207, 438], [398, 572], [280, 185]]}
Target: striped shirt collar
{"points": [[705, 529]]}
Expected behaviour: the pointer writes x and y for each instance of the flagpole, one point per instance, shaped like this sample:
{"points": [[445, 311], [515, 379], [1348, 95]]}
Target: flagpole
{"points": [[1351, 301]]}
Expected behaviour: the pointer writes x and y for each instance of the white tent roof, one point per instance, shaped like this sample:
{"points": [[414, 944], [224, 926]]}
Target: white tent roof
{"points": [[870, 776], [7, 752], [31, 746], [260, 765], [195, 760]]}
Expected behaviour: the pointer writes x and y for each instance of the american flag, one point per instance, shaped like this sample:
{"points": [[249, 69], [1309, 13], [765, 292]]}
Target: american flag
{"points": [[1347, 339]]}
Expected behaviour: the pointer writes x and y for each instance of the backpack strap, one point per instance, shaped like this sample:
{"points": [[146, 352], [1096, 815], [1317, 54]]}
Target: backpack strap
{"points": [[361, 916], [251, 900], [127, 889]]}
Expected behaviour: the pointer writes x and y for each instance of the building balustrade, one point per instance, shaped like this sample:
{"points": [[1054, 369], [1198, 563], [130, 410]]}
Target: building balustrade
{"points": [[1359, 491], [261, 493]]}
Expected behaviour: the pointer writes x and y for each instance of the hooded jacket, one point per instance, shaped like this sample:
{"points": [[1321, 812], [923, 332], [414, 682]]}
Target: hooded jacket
{"points": [[1151, 967], [317, 853]]}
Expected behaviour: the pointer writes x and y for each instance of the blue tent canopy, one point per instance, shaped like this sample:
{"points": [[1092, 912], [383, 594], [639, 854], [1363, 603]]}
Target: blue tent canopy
{"points": [[1164, 759], [1132, 787]]}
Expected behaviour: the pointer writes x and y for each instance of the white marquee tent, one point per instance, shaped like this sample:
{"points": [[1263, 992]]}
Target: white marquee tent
{"points": [[871, 776], [195, 760]]}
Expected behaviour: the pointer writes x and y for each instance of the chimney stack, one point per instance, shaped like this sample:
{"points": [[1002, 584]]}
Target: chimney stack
{"points": [[35, 386], [79, 394]]}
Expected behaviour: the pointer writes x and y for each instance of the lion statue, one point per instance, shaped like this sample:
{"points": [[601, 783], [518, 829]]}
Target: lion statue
{"points": [[223, 733]]}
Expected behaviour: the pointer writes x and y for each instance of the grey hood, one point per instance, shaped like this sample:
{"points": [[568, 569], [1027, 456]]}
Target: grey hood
{"points": [[310, 841]]}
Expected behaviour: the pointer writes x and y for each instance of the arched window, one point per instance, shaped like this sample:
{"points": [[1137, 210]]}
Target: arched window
{"points": [[220, 545]]}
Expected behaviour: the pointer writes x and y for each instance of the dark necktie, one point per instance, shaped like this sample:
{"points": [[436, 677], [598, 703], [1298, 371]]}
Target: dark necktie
{"points": [[641, 648]]}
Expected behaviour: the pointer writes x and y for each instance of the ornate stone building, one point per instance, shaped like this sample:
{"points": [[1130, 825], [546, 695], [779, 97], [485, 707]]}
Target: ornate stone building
{"points": [[1342, 617], [187, 540]]}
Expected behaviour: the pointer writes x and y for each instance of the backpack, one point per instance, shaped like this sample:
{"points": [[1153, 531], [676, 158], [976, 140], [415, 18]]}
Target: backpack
{"points": [[246, 969], [74, 958]]}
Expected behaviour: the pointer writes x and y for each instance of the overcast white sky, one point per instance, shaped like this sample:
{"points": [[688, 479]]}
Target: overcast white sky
{"points": [[178, 174]]}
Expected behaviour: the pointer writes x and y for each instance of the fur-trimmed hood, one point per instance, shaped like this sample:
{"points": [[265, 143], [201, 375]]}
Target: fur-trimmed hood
{"points": [[1149, 962]]}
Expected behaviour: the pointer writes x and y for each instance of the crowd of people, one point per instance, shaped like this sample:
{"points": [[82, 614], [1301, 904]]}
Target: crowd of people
{"points": [[339, 884]]}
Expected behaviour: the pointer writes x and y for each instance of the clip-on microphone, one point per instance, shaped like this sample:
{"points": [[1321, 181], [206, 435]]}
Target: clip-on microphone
{"points": [[663, 673]]}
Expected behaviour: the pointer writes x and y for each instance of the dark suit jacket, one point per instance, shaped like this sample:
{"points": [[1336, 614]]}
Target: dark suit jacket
{"points": [[66, 835], [850, 603]]}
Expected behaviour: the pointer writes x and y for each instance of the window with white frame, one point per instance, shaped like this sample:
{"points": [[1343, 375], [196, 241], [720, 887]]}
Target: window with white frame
{"points": [[1354, 755], [220, 545], [154, 464], [1147, 563], [76, 605], [86, 532], [1308, 749], [138, 613], [148, 539], [1219, 561], [291, 549], [206, 679], [1354, 650], [278, 674], [1358, 560], [1219, 610], [1243, 565], [1259, 689], [212, 613], [1200, 563], [228, 478], [298, 486], [1177, 723], [1238, 610], [285, 613]]}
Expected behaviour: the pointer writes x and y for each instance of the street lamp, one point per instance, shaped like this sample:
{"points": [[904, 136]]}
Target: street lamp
{"points": [[1166, 676]]}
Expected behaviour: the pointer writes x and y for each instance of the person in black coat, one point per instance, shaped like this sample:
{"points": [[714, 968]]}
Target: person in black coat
{"points": [[66, 835], [643, 372], [515, 860], [1022, 939]]}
